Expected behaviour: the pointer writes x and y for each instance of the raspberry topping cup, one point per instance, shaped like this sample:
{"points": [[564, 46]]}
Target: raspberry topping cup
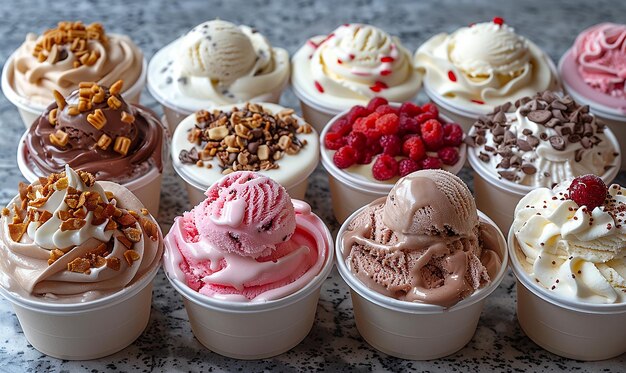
{"points": [[366, 149]]}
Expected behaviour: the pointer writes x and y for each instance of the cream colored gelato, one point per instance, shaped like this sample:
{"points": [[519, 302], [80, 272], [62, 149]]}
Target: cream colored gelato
{"points": [[484, 65], [353, 64]]}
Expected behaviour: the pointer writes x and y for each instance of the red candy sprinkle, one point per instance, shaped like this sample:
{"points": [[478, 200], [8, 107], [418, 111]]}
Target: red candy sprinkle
{"points": [[479, 102], [387, 59], [451, 76], [498, 21], [588, 190], [385, 72], [319, 87], [339, 61]]}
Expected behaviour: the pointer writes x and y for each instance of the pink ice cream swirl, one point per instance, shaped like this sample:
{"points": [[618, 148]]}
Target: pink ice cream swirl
{"points": [[247, 241], [600, 52]]}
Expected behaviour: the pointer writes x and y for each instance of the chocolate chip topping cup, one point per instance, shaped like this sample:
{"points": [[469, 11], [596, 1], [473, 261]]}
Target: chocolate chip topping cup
{"points": [[74, 252], [538, 141], [261, 137]]}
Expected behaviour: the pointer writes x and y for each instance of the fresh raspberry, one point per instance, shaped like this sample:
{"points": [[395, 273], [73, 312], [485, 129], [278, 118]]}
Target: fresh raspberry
{"points": [[342, 126], [373, 143], [413, 148], [391, 145], [385, 167], [376, 102], [431, 163], [429, 107], [408, 166], [410, 109], [357, 140], [426, 116], [364, 157], [357, 111], [408, 125], [432, 134], [334, 141], [364, 123], [588, 190], [448, 155], [452, 134], [344, 157], [386, 109], [387, 124]]}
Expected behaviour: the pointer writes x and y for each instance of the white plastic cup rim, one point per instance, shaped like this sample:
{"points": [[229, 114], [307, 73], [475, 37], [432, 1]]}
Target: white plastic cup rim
{"points": [[32, 176], [414, 307], [62, 309], [570, 304], [24, 103], [304, 172], [310, 101], [602, 110], [368, 186], [483, 169], [255, 307]]}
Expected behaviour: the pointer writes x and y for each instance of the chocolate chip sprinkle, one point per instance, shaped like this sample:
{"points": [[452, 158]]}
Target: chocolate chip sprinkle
{"points": [[540, 116]]}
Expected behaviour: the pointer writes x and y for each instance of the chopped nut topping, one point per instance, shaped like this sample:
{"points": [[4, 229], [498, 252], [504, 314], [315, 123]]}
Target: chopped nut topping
{"points": [[79, 265], [133, 234], [72, 36], [72, 224], [104, 141], [97, 119], [150, 228], [59, 138], [113, 263], [127, 118], [131, 256], [116, 88], [52, 116], [114, 103], [122, 145], [58, 97], [17, 230]]}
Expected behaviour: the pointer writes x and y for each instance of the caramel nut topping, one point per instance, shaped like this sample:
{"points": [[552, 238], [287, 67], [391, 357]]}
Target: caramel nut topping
{"points": [[151, 229], [127, 118], [59, 138], [131, 256], [72, 224], [79, 265], [17, 230], [133, 234], [122, 145], [58, 97], [52, 116], [113, 263], [125, 241], [114, 103], [97, 119], [104, 141], [116, 88]]}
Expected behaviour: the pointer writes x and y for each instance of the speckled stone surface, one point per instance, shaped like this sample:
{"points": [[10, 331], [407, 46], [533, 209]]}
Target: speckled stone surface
{"points": [[334, 343]]}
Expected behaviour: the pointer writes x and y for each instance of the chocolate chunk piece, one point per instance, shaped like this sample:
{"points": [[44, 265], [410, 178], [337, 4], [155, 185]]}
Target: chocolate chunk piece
{"points": [[540, 116], [529, 169], [508, 175], [557, 142], [523, 145]]}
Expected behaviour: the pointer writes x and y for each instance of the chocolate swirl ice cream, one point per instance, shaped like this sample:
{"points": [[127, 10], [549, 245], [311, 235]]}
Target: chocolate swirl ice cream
{"points": [[95, 130]]}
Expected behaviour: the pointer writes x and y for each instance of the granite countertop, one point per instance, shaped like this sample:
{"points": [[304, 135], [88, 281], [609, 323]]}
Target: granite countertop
{"points": [[334, 343]]}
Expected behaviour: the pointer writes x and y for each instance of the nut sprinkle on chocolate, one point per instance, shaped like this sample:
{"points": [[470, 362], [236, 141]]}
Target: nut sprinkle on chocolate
{"points": [[247, 139]]}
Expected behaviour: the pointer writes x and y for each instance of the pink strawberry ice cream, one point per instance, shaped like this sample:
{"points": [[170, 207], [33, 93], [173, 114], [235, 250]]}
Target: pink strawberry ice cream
{"points": [[247, 241]]}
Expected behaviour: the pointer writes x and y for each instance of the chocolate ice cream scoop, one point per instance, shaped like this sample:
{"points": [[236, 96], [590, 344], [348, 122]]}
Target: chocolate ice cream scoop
{"points": [[95, 130]]}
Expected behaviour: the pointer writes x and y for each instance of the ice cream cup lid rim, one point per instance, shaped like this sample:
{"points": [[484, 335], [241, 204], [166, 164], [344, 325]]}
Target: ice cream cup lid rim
{"points": [[544, 294], [415, 307]]}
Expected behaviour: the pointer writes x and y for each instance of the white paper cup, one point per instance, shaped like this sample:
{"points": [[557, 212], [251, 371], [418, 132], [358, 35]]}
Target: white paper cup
{"points": [[314, 113], [298, 171], [146, 188], [89, 330], [615, 119], [350, 191], [254, 330], [575, 330], [411, 330], [30, 111], [498, 197]]}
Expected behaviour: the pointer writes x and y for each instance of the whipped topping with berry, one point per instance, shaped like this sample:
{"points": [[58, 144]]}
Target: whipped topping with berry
{"points": [[574, 243], [483, 65], [541, 141], [353, 64]]}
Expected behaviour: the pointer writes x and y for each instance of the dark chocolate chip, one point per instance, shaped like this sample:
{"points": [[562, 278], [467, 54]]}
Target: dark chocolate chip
{"points": [[540, 116], [523, 145], [508, 175], [529, 169], [557, 142]]}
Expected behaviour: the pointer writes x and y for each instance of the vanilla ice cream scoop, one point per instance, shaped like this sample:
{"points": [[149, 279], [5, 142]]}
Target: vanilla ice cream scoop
{"points": [[217, 49]]}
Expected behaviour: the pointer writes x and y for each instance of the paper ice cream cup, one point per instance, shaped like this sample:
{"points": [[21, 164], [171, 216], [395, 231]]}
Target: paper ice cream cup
{"points": [[575, 330], [295, 182], [250, 331], [29, 111], [350, 191], [88, 330], [147, 188], [313, 112], [614, 118], [411, 330], [498, 197]]}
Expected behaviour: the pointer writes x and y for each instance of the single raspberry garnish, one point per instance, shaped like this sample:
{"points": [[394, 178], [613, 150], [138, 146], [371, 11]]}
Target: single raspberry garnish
{"points": [[410, 109], [588, 190], [408, 166], [385, 167], [391, 144], [376, 102], [365, 123], [344, 157], [357, 111], [341, 126], [408, 125], [386, 109], [357, 140], [432, 134], [429, 107], [334, 141], [452, 134], [387, 124], [413, 148], [498, 21], [448, 155], [431, 163], [426, 116]]}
